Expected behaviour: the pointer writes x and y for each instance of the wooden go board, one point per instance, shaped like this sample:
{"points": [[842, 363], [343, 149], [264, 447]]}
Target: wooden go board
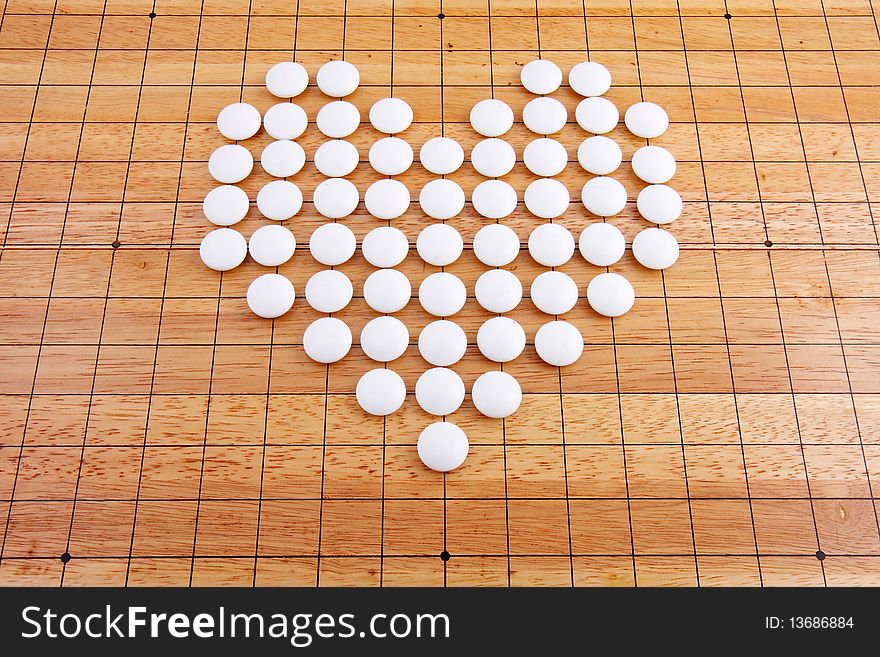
{"points": [[724, 432]]}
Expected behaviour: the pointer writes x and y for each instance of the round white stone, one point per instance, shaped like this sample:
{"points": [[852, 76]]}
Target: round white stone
{"points": [[597, 115], [610, 294], [546, 198], [283, 158], [494, 199], [498, 291], [338, 78], [441, 155], [223, 249], [439, 244], [493, 158], [589, 79], [655, 248], [544, 115], [496, 394], [541, 76], [270, 295], [554, 293], [659, 204], [336, 158], [646, 120], [279, 200], [225, 205], [551, 245], [439, 391], [287, 79], [385, 246], [230, 163], [387, 290], [599, 155], [386, 199], [335, 198], [239, 121], [442, 446], [441, 199], [384, 338], [285, 121], [380, 391], [601, 244], [391, 156], [442, 343], [491, 117], [603, 196], [391, 115], [496, 245], [329, 291], [442, 294], [545, 157], [327, 340], [272, 245], [332, 244], [653, 164], [501, 339], [338, 119], [559, 343]]}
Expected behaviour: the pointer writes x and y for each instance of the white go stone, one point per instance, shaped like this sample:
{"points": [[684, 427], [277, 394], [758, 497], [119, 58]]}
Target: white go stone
{"points": [[501, 339], [544, 115], [559, 343], [223, 249], [494, 199], [498, 291], [659, 204], [496, 245], [387, 290], [239, 121], [391, 115], [442, 294], [384, 338], [442, 343], [496, 394], [279, 200], [610, 294], [338, 78], [380, 391], [599, 155], [335, 198], [601, 244], [646, 120], [385, 246], [546, 198], [545, 157], [441, 155], [541, 76], [441, 199], [597, 115], [493, 157], [272, 245], [225, 205], [589, 79], [270, 295], [491, 117], [332, 244], [442, 446], [287, 79], [329, 291], [283, 158], [439, 244], [554, 293], [327, 340], [336, 158], [655, 248], [285, 121], [551, 245], [230, 163], [653, 164], [440, 391], [391, 156], [338, 119], [386, 199], [603, 196]]}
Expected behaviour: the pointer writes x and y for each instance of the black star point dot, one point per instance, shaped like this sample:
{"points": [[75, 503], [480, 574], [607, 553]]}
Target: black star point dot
{"points": [[728, 16], [820, 555], [116, 244], [441, 16], [445, 555], [65, 557], [768, 243]]}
